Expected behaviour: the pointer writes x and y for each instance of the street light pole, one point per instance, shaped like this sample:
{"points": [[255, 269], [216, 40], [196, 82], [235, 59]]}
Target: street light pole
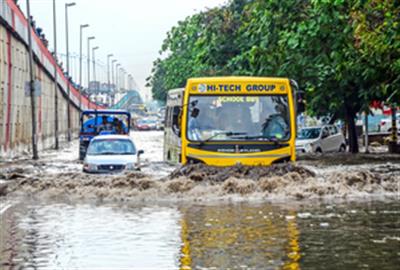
{"points": [[80, 64], [35, 155], [113, 81], [108, 70], [56, 141], [117, 77], [67, 5], [88, 61], [94, 65], [112, 73], [123, 72]]}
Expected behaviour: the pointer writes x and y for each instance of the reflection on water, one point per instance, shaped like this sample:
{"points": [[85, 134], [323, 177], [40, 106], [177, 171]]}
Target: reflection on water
{"points": [[243, 236], [215, 236]]}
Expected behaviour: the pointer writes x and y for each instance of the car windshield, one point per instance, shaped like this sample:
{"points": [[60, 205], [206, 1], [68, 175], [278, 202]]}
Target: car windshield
{"points": [[235, 118], [111, 147], [308, 133]]}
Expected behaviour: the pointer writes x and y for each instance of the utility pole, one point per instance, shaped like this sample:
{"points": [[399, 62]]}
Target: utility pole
{"points": [[394, 147], [94, 66], [56, 141], [88, 61], [108, 71], [35, 155], [112, 73], [113, 81], [123, 87], [117, 81], [80, 64], [366, 132], [67, 5]]}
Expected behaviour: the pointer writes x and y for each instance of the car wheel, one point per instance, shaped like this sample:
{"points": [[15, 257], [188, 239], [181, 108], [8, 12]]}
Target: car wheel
{"points": [[342, 148]]}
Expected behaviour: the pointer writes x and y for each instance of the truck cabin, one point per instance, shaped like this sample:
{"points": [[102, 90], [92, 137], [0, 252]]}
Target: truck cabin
{"points": [[105, 122]]}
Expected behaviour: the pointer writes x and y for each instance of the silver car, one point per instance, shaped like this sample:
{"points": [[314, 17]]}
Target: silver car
{"points": [[322, 139], [111, 154]]}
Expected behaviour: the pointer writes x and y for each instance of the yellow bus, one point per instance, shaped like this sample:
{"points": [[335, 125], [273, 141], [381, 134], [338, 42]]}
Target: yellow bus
{"points": [[223, 121]]}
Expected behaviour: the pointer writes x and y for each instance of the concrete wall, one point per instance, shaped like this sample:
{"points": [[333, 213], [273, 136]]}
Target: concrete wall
{"points": [[15, 106]]}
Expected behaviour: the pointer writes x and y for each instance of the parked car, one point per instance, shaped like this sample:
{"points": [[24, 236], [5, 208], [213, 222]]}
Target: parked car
{"points": [[386, 124], [110, 154], [327, 138]]}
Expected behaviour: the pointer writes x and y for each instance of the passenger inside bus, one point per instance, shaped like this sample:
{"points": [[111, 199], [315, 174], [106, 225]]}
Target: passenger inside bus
{"points": [[275, 125], [194, 132]]}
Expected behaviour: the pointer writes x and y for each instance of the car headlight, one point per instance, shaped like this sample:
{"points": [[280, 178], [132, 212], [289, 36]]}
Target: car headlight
{"points": [[90, 167], [308, 147], [131, 166]]}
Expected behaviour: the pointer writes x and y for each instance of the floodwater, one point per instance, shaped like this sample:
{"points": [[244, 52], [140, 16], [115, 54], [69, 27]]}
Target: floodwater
{"points": [[347, 218], [55, 235]]}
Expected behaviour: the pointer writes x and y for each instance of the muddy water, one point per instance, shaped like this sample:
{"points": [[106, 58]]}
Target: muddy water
{"points": [[59, 235], [314, 215]]}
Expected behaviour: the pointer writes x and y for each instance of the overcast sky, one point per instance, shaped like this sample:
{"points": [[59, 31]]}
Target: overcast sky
{"points": [[133, 30]]}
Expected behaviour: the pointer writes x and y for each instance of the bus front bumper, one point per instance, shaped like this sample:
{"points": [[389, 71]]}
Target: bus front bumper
{"points": [[247, 159]]}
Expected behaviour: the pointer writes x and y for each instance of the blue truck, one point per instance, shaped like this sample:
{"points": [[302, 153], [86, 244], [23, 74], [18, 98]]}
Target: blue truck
{"points": [[101, 122]]}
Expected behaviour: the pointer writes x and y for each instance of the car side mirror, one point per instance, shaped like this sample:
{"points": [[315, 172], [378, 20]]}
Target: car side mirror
{"points": [[140, 152]]}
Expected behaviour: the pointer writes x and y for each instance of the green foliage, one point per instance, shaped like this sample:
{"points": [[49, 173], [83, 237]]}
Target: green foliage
{"points": [[343, 53]]}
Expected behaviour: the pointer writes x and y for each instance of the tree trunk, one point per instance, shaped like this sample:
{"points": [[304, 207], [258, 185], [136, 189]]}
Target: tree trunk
{"points": [[352, 131]]}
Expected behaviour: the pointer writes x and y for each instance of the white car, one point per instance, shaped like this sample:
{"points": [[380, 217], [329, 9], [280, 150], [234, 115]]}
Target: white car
{"points": [[322, 139], [110, 154], [386, 124]]}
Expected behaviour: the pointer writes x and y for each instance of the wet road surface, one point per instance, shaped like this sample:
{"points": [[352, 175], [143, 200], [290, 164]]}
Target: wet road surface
{"points": [[61, 232]]}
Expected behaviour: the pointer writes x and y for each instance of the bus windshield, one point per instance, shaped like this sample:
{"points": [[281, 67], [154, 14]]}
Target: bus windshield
{"points": [[238, 118]]}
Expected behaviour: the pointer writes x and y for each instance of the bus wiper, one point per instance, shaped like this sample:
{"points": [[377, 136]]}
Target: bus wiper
{"points": [[268, 139], [227, 133]]}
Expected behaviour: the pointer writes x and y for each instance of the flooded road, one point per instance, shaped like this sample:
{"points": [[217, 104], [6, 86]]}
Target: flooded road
{"points": [[55, 217], [54, 235]]}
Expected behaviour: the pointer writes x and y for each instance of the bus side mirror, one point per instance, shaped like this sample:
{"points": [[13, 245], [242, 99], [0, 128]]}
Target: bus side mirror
{"points": [[140, 152]]}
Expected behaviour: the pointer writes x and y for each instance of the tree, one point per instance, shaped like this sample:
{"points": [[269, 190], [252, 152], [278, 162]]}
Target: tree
{"points": [[156, 81], [343, 53]]}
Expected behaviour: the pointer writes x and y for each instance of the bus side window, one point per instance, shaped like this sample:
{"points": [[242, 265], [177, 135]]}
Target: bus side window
{"points": [[167, 121], [176, 121]]}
